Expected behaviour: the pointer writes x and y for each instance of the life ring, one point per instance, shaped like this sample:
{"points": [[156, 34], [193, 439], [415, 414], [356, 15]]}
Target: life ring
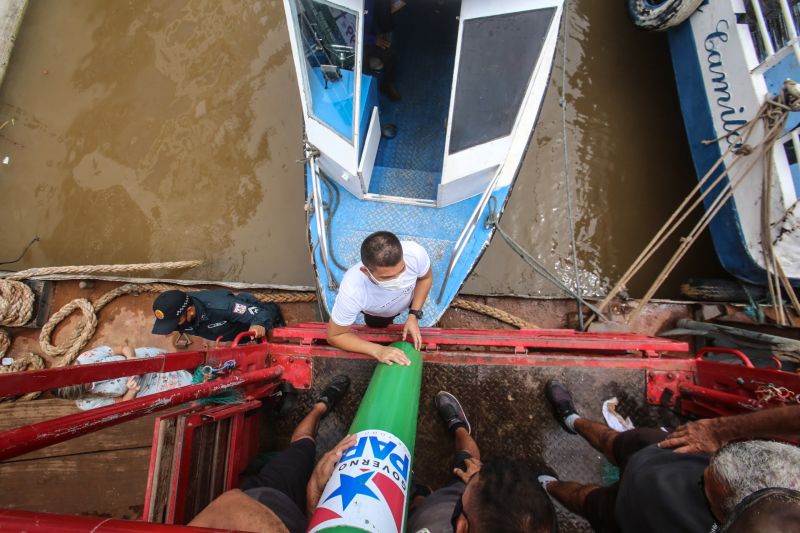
{"points": [[660, 14]]}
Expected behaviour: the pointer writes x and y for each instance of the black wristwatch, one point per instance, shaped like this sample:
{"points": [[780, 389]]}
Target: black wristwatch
{"points": [[416, 312]]}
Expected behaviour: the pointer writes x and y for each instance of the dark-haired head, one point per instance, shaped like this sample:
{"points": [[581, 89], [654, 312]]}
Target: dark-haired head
{"points": [[381, 249], [505, 496]]}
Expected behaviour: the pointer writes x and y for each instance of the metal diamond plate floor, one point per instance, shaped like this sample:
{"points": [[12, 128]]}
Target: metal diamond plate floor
{"points": [[425, 45], [437, 229], [406, 183], [506, 407]]}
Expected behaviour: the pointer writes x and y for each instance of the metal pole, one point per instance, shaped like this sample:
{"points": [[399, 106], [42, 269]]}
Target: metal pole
{"points": [[15, 383], [26, 439], [720, 397], [13, 520]]}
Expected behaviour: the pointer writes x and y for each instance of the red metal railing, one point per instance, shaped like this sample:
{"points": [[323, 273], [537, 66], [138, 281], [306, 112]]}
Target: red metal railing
{"points": [[520, 341], [28, 438], [12, 520], [52, 378], [709, 387]]}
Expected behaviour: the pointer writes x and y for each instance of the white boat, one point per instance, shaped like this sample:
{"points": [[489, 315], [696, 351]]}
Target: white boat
{"points": [[472, 75], [729, 57]]}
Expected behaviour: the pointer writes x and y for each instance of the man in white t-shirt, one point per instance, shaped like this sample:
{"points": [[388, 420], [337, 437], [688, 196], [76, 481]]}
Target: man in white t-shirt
{"points": [[392, 277]]}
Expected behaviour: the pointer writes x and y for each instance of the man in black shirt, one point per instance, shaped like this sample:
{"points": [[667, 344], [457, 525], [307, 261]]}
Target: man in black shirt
{"points": [[214, 314], [661, 490]]}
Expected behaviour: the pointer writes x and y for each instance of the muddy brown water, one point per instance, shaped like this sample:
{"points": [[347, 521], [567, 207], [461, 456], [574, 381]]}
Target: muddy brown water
{"points": [[153, 131]]}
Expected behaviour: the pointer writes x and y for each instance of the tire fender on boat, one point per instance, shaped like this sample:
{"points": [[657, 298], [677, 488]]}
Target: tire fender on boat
{"points": [[658, 15]]}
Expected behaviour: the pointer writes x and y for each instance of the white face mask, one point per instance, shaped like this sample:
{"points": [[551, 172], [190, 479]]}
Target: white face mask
{"points": [[394, 284]]}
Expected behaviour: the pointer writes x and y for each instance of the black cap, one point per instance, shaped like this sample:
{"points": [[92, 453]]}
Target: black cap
{"points": [[168, 308]]}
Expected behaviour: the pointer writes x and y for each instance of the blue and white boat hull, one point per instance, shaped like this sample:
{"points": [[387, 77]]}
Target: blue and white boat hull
{"points": [[724, 75]]}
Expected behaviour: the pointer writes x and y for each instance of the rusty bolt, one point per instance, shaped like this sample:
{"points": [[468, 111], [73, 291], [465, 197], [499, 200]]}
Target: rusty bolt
{"points": [[274, 359], [291, 359], [670, 376], [651, 375]]}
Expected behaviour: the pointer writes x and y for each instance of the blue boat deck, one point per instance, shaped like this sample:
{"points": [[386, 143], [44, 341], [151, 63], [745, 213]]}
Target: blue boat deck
{"points": [[436, 229]]}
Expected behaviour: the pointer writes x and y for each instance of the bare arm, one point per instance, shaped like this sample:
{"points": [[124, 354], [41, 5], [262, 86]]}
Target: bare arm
{"points": [[323, 471], [237, 511], [710, 434], [344, 339], [421, 290], [133, 390]]}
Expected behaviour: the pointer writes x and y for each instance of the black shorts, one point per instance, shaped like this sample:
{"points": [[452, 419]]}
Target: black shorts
{"points": [[378, 321], [599, 506], [287, 472]]}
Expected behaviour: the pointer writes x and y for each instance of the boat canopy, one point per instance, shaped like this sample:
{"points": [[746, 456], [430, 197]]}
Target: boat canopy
{"points": [[491, 78]]}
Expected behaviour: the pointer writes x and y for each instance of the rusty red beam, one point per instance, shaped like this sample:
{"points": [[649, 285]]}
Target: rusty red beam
{"points": [[22, 440], [717, 396], [488, 358], [33, 522], [51, 378], [552, 332], [552, 339]]}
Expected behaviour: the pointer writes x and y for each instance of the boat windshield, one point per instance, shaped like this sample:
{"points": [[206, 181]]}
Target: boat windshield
{"points": [[328, 38]]}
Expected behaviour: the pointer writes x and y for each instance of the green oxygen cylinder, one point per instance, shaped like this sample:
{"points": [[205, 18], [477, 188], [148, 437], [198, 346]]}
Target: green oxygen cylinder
{"points": [[368, 490]]}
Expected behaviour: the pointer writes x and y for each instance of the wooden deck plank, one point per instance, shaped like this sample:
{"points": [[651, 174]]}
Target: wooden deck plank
{"points": [[134, 434], [108, 483]]}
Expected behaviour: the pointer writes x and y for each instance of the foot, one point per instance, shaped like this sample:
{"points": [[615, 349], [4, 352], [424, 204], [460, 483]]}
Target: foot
{"points": [[334, 391], [561, 402], [546, 476], [451, 412], [287, 399], [390, 90]]}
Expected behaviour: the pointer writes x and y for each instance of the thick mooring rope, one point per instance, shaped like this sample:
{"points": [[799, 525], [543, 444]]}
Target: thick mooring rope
{"points": [[99, 269], [16, 303], [21, 301], [494, 312], [22, 362]]}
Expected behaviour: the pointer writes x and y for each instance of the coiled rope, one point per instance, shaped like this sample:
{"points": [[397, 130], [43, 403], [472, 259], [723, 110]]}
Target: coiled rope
{"points": [[22, 362], [494, 312], [17, 302]]}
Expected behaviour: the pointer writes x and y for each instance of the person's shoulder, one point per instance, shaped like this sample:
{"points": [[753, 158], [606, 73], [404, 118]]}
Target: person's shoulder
{"points": [[412, 247], [353, 279], [416, 257], [216, 299]]}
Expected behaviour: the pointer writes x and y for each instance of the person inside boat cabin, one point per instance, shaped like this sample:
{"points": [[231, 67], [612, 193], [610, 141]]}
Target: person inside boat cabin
{"points": [[214, 314], [693, 479], [392, 277], [380, 59]]}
